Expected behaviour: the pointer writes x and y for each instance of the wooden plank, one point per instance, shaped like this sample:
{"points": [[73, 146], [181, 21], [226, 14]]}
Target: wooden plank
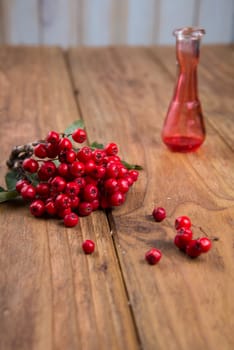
{"points": [[52, 295], [124, 95]]}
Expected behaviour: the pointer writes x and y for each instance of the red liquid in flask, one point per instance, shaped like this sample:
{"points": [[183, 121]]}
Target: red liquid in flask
{"points": [[184, 129]]}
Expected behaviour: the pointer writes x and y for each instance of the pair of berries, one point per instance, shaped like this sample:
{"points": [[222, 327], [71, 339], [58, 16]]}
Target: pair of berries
{"points": [[71, 183], [184, 239]]}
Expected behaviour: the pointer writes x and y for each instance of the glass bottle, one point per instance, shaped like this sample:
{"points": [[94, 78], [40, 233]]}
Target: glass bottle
{"points": [[184, 129]]}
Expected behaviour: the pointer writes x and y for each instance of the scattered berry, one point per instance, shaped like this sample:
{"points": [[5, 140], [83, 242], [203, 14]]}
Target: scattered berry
{"points": [[88, 246], [182, 222], [159, 214], [71, 220], [182, 238], [193, 248], [153, 256], [205, 244]]}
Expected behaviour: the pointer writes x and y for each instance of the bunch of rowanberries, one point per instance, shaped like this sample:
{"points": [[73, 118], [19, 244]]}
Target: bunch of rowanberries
{"points": [[70, 182]]}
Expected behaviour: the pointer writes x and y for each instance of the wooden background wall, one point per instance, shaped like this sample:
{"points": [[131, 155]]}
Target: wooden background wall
{"points": [[104, 22]]}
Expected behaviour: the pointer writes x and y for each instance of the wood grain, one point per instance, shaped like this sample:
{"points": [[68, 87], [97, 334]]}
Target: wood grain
{"points": [[181, 304], [52, 295]]}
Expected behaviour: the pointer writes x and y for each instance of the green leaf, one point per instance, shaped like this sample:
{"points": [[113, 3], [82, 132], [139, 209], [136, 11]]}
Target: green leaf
{"points": [[78, 124], [8, 195], [97, 145], [11, 179], [2, 189], [131, 166]]}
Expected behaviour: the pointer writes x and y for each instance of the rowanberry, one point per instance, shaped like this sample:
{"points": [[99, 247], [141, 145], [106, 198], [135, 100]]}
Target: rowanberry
{"points": [[112, 170], [123, 185], [72, 189], [30, 165], [90, 192], [40, 151], [98, 156], [61, 213], [111, 149], [47, 170], [193, 248], [183, 237], [95, 204], [20, 184], [43, 189], [111, 185], [81, 182], [62, 201], [88, 246], [50, 208], [58, 184], [85, 208], [98, 172], [159, 214], [28, 192], [37, 208], [53, 137], [79, 135], [63, 169], [153, 256], [77, 169], [64, 145], [134, 174], [52, 150], [84, 154], [90, 166], [74, 201], [205, 244], [182, 222], [116, 199], [71, 220]]}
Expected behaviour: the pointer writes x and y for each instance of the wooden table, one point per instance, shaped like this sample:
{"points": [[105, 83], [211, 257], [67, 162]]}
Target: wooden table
{"points": [[55, 297]]}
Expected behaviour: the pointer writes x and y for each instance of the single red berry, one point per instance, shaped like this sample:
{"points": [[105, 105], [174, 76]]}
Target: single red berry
{"points": [[112, 170], [62, 201], [98, 172], [85, 208], [74, 202], [64, 145], [52, 137], [111, 185], [58, 184], [183, 237], [182, 222], [122, 171], [52, 150], [193, 248], [159, 214], [88, 246], [70, 220], [80, 182], [43, 189], [153, 256], [84, 154], [40, 151], [98, 156], [37, 208], [123, 185], [20, 184], [47, 170], [28, 192], [50, 208], [61, 213], [116, 199], [95, 204], [72, 189], [63, 169], [77, 169], [90, 192], [134, 174], [79, 135], [111, 149], [90, 166], [205, 244], [30, 165]]}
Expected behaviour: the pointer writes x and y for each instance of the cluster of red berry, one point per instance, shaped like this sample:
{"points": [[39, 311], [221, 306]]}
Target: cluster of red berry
{"points": [[183, 239], [73, 183]]}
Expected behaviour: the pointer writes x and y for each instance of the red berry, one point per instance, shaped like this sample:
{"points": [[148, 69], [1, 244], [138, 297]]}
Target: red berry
{"points": [[58, 184], [95, 204], [123, 185], [112, 170], [40, 150], [72, 189], [111, 185], [77, 169], [63, 169], [90, 192], [62, 201], [30, 165], [159, 214], [193, 248], [98, 156], [182, 238], [116, 199], [64, 145], [52, 150], [37, 208], [28, 192], [63, 212], [205, 244], [90, 166], [70, 220], [74, 202], [134, 174], [98, 172], [50, 208], [52, 137], [46, 171], [84, 154], [80, 182], [43, 189], [111, 149], [85, 208], [79, 135], [153, 256], [20, 184], [88, 246], [182, 222]]}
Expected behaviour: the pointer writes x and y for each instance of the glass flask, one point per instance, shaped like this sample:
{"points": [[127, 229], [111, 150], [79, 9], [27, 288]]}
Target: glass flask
{"points": [[184, 129]]}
